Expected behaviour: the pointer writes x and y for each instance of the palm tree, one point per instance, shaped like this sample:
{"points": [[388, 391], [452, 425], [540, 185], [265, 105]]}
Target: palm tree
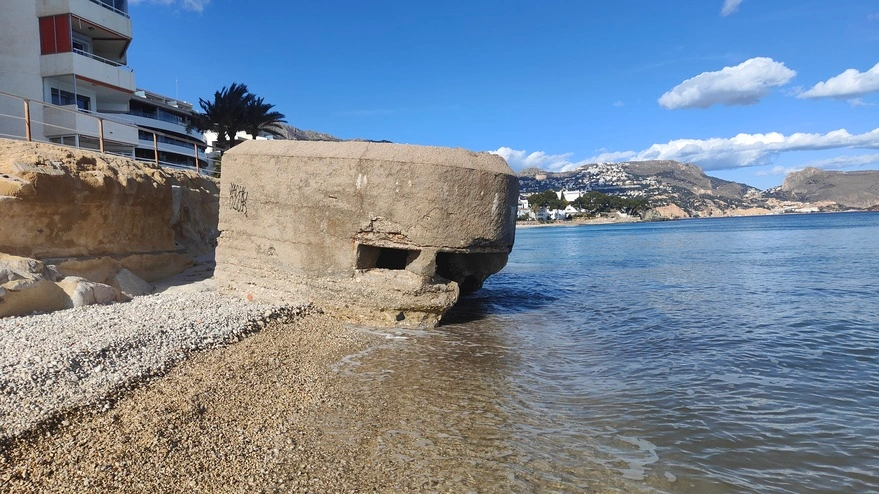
{"points": [[259, 117], [225, 115]]}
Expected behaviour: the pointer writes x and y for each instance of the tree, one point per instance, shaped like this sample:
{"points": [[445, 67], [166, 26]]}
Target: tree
{"points": [[259, 117], [235, 109], [546, 199], [595, 203]]}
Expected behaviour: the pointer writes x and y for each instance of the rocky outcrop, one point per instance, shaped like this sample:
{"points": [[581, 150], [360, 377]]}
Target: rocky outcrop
{"points": [[382, 234], [859, 189], [75, 217]]}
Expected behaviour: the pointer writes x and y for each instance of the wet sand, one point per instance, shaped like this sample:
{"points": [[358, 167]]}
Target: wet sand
{"points": [[309, 406], [235, 419]]}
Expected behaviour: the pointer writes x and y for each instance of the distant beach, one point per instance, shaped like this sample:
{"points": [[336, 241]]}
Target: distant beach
{"points": [[577, 222]]}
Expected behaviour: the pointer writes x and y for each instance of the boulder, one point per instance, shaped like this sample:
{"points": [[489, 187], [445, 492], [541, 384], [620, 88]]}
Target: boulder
{"points": [[375, 233], [129, 285], [28, 285], [24, 296], [84, 292]]}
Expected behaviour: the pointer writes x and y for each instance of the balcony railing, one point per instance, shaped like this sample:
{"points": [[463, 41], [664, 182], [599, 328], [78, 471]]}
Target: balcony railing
{"points": [[163, 117], [30, 122], [103, 60], [111, 5]]}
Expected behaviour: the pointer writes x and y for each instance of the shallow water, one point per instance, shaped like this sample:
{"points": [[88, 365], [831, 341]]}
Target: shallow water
{"points": [[713, 355]]}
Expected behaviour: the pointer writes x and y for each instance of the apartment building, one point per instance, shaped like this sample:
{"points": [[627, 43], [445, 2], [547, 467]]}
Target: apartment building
{"points": [[163, 126], [73, 54]]}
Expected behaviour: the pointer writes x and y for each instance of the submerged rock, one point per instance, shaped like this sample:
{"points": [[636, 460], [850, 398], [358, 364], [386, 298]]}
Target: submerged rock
{"points": [[375, 233]]}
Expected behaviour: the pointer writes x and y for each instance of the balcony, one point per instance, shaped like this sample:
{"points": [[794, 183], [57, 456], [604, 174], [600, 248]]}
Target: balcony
{"points": [[65, 121], [118, 6], [109, 14], [83, 64], [151, 122], [175, 149]]}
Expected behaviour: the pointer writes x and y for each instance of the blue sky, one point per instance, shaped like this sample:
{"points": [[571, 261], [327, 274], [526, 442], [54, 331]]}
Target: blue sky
{"points": [[747, 89]]}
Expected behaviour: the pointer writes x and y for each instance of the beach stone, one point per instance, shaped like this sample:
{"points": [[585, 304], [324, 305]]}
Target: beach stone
{"points": [[129, 284], [25, 296], [84, 292], [375, 233]]}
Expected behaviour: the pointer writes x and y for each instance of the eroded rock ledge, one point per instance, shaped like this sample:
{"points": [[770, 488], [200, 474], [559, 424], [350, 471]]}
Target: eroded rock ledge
{"points": [[78, 227], [374, 233]]}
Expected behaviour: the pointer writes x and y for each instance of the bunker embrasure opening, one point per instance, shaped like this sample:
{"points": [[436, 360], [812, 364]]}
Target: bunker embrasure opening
{"points": [[372, 257]]}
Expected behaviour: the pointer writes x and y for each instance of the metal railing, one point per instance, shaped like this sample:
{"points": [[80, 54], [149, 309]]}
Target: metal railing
{"points": [[162, 117], [25, 119], [107, 61], [106, 5]]}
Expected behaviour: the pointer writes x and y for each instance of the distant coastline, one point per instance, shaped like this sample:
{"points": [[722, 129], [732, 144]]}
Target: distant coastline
{"points": [[609, 221], [578, 222]]}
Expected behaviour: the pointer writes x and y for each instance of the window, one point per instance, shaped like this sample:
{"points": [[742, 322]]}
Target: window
{"points": [[81, 43], [61, 97]]}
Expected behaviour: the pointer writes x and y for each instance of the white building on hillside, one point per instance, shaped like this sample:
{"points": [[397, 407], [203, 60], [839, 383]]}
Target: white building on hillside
{"points": [[74, 54], [572, 195]]}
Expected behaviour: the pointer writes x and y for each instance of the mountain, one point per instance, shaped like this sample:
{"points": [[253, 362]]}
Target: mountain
{"points": [[294, 134], [858, 190], [675, 190], [678, 190]]}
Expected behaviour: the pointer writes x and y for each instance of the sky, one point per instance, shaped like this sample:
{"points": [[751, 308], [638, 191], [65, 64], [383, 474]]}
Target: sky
{"points": [[749, 90]]}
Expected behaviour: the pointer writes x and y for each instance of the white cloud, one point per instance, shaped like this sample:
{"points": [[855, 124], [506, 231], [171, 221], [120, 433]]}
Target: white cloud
{"points": [[859, 102], [609, 157], [194, 5], [519, 160], [743, 84], [754, 149], [777, 170], [844, 162], [730, 7], [619, 104], [742, 150], [850, 84]]}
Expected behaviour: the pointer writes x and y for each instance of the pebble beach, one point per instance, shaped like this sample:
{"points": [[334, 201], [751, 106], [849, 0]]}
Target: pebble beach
{"points": [[183, 391]]}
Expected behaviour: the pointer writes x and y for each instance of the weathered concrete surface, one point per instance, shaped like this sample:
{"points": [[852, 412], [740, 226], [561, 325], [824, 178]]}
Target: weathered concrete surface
{"points": [[95, 218], [382, 234]]}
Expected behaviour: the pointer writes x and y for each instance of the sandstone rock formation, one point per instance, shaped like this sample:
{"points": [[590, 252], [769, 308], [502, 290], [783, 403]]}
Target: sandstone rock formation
{"points": [[382, 234], [97, 219]]}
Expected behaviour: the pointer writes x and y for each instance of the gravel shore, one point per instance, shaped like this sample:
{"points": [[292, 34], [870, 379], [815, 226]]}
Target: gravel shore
{"points": [[240, 418], [280, 410], [55, 362]]}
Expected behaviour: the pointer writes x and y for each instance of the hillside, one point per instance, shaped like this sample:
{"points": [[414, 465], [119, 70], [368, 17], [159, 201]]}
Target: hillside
{"points": [[294, 134], [678, 190], [858, 190], [675, 190]]}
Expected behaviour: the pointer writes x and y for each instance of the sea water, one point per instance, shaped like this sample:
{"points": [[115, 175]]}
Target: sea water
{"points": [[709, 355]]}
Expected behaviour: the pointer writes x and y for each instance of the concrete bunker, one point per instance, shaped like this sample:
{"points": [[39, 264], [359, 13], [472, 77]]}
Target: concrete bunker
{"points": [[375, 233]]}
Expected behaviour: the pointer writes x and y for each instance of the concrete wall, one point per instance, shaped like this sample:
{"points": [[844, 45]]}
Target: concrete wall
{"points": [[19, 63], [363, 229]]}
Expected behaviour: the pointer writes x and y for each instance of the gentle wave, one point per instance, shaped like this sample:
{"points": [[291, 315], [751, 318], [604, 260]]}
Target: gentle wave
{"points": [[729, 355]]}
